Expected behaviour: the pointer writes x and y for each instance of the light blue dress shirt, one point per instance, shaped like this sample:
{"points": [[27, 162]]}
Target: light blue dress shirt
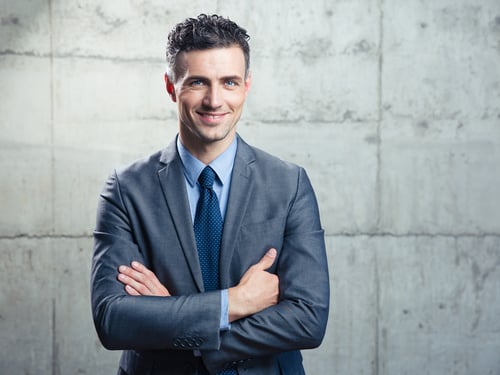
{"points": [[223, 167]]}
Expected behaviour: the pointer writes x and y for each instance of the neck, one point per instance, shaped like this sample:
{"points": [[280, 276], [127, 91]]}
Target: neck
{"points": [[206, 152]]}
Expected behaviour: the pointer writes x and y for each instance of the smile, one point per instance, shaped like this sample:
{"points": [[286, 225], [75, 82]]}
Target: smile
{"points": [[211, 116]]}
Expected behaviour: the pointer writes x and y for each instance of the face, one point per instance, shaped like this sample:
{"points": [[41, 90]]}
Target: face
{"points": [[210, 93]]}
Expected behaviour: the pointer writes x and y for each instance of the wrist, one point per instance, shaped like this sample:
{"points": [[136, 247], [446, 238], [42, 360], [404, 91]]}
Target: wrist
{"points": [[235, 306]]}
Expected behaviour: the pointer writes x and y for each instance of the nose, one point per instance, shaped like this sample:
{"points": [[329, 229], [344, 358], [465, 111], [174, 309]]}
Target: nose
{"points": [[213, 97]]}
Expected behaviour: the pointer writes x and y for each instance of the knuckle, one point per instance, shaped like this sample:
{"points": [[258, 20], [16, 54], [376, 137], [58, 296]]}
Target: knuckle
{"points": [[141, 289]]}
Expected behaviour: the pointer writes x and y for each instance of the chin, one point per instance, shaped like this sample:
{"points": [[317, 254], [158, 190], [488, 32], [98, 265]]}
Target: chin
{"points": [[216, 135]]}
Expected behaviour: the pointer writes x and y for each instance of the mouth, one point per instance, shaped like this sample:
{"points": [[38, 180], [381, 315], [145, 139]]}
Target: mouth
{"points": [[211, 117]]}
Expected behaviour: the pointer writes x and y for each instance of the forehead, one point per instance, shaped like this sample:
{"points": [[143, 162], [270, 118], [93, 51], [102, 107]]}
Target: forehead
{"points": [[228, 61]]}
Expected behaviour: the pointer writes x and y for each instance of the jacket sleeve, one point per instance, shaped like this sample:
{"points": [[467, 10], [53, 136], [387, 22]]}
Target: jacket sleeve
{"points": [[141, 322], [299, 320]]}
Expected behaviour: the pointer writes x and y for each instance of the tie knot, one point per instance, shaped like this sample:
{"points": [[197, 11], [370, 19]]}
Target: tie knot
{"points": [[207, 178]]}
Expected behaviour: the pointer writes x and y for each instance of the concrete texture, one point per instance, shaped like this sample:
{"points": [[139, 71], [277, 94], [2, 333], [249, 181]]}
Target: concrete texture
{"points": [[392, 107]]}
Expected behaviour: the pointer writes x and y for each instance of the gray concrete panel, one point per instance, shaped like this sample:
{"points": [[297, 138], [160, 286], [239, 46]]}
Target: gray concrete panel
{"points": [[437, 303], [440, 60], [73, 322], [26, 307], [25, 27], [295, 91], [299, 30], [25, 100], [350, 345], [107, 90], [440, 176], [44, 309], [131, 31], [25, 190]]}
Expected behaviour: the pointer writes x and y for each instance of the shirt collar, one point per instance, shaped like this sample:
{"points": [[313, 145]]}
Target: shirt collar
{"points": [[222, 165]]}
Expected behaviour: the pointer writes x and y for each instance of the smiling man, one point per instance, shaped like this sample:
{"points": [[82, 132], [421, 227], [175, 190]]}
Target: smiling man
{"points": [[209, 255], [210, 93]]}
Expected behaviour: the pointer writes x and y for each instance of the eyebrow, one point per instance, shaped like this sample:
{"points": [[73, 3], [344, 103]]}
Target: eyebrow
{"points": [[224, 78], [233, 78]]}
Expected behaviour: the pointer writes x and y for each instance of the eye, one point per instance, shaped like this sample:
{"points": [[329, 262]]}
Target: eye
{"points": [[196, 82], [231, 83]]}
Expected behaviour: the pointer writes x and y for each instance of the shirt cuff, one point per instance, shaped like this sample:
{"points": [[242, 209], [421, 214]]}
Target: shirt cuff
{"points": [[224, 324], [224, 311]]}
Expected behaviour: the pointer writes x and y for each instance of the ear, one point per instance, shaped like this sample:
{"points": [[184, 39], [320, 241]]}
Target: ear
{"points": [[248, 82], [169, 85]]}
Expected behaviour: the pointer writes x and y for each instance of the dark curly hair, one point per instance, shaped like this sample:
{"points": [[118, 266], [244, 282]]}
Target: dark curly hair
{"points": [[205, 32]]}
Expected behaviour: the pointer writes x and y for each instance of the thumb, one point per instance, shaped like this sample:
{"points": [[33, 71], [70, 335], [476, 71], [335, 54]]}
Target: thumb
{"points": [[268, 259]]}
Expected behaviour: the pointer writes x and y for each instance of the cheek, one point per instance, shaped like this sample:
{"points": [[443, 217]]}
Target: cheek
{"points": [[190, 100], [236, 100], [185, 104]]}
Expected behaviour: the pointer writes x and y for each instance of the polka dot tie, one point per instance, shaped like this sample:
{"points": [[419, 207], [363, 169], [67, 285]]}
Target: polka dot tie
{"points": [[208, 230], [208, 233]]}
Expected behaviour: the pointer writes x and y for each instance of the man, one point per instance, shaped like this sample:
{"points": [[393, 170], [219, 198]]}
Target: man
{"points": [[168, 288]]}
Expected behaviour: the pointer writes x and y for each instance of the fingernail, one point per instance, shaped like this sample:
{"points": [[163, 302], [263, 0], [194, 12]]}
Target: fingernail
{"points": [[122, 268], [271, 253]]}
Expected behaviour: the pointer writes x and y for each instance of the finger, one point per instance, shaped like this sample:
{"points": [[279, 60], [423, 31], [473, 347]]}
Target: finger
{"points": [[267, 260], [141, 275], [128, 276], [131, 284], [149, 279], [144, 274], [140, 267], [131, 291], [131, 273], [142, 280]]}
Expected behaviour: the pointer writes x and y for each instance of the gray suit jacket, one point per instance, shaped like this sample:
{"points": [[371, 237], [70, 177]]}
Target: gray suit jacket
{"points": [[143, 214]]}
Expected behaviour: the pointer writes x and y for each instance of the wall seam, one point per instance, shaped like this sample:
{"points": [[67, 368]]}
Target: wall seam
{"points": [[337, 235], [52, 106], [378, 186], [52, 54], [55, 351]]}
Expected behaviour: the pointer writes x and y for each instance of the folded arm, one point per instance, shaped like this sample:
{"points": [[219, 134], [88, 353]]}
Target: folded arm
{"points": [[125, 321], [256, 291]]}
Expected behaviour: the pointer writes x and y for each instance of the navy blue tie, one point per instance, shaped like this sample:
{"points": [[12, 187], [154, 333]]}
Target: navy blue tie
{"points": [[208, 230], [208, 233]]}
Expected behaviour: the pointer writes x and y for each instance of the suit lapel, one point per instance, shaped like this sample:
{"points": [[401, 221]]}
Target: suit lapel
{"points": [[239, 196], [172, 183]]}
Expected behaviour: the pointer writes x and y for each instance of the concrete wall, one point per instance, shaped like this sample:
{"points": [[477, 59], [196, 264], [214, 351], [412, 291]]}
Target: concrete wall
{"points": [[392, 106]]}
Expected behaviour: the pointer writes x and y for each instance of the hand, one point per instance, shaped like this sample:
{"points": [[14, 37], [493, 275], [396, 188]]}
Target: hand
{"points": [[256, 291], [140, 281]]}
